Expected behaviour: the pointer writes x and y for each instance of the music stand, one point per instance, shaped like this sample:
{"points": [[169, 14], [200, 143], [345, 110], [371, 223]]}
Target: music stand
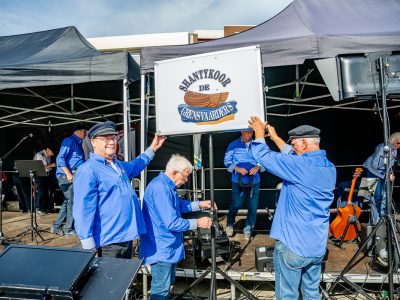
{"points": [[31, 169]]}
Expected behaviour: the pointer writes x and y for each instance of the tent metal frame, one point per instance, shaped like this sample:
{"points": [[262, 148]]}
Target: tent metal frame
{"points": [[51, 114]]}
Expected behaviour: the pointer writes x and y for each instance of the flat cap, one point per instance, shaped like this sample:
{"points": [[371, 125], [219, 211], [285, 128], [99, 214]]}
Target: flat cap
{"points": [[104, 128], [304, 131], [79, 126]]}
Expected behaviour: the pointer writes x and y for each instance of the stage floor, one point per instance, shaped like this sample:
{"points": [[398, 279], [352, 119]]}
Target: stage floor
{"points": [[242, 267]]}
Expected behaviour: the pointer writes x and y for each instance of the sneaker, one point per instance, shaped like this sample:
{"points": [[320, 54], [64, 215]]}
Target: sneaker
{"points": [[229, 231], [70, 232], [56, 230], [41, 212], [247, 236]]}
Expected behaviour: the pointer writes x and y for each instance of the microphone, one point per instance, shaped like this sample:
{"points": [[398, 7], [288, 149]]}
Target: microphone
{"points": [[28, 136]]}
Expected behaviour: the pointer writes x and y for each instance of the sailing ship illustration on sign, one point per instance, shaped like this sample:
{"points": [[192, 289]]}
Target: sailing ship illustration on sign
{"points": [[203, 107]]}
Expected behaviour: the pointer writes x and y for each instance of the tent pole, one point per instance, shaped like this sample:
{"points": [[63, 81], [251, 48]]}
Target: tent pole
{"points": [[142, 131], [127, 111]]}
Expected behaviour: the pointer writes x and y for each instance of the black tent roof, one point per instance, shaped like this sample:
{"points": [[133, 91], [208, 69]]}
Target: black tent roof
{"points": [[306, 29], [55, 78], [59, 56]]}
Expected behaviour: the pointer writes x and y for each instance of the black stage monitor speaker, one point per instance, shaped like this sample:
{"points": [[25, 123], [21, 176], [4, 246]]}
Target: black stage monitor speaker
{"points": [[33, 272], [264, 259], [357, 75]]}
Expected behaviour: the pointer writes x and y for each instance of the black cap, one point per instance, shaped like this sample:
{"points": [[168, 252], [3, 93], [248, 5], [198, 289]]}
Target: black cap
{"points": [[304, 131], [104, 128], [79, 126]]}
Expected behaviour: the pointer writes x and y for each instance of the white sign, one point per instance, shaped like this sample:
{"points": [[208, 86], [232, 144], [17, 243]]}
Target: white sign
{"points": [[210, 92]]}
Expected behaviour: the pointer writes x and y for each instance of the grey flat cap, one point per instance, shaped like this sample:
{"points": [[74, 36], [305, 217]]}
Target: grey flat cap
{"points": [[105, 128], [304, 131]]}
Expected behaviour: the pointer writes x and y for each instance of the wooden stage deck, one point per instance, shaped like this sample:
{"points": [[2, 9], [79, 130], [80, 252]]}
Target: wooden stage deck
{"points": [[242, 268]]}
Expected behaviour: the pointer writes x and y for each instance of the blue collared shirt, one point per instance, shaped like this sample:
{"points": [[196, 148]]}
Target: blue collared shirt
{"points": [[106, 209], [239, 154], [375, 163], [71, 154], [301, 218], [162, 212]]}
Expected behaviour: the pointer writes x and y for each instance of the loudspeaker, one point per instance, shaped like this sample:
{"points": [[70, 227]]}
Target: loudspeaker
{"points": [[264, 259], [357, 75], [366, 230]]}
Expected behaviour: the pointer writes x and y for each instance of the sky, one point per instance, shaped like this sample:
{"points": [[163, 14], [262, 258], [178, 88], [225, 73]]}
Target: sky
{"points": [[96, 18]]}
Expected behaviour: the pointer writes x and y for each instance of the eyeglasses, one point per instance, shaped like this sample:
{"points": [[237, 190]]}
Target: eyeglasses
{"points": [[185, 177], [107, 139]]}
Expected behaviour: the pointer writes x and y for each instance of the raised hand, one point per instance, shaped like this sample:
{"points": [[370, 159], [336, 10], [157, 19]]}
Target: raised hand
{"points": [[157, 142], [256, 124]]}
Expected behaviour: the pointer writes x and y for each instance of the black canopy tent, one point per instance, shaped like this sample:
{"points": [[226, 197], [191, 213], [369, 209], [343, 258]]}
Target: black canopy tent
{"points": [[304, 31], [54, 78]]}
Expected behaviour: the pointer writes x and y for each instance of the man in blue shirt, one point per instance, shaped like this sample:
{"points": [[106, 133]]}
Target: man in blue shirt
{"points": [[301, 221], [68, 160], [162, 245], [245, 181], [106, 209]]}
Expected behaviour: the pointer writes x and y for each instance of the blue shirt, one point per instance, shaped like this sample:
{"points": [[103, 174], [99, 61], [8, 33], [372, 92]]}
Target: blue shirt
{"points": [[106, 209], [162, 212], [301, 220], [71, 154], [240, 155], [375, 163]]}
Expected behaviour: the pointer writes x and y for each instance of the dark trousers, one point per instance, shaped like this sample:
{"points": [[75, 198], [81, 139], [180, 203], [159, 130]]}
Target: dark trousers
{"points": [[117, 250], [43, 201]]}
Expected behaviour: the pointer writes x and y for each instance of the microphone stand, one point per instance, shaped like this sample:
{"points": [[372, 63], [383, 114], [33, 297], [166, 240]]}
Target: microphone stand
{"points": [[2, 239], [214, 270]]}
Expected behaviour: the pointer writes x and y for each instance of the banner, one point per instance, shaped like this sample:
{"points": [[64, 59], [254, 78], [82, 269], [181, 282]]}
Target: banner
{"points": [[211, 92]]}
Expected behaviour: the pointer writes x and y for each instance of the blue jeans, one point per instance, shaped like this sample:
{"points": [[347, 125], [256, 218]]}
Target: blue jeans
{"points": [[379, 199], [163, 276], [293, 271], [66, 208], [238, 196]]}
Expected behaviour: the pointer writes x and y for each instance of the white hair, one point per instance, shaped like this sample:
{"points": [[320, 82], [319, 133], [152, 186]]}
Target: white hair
{"points": [[179, 163], [394, 137], [314, 140]]}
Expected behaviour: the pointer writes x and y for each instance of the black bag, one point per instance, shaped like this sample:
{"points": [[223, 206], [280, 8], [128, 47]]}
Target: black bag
{"points": [[245, 181]]}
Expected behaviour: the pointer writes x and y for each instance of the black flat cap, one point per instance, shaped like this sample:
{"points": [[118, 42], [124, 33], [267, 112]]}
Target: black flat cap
{"points": [[104, 128], [79, 127], [304, 131]]}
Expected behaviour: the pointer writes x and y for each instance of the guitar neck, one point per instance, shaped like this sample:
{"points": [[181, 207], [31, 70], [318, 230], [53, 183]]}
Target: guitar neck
{"points": [[357, 173]]}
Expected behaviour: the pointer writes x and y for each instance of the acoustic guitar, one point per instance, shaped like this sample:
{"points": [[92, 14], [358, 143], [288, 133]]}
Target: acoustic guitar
{"points": [[338, 225]]}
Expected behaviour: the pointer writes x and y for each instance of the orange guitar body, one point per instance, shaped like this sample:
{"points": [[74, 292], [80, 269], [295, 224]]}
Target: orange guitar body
{"points": [[338, 225]]}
